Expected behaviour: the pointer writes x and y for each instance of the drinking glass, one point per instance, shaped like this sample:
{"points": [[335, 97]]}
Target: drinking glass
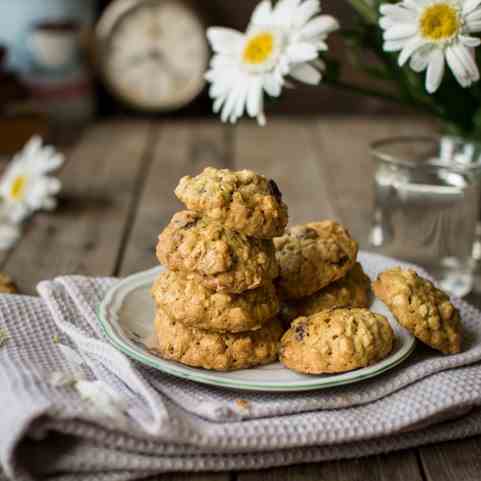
{"points": [[427, 199]]}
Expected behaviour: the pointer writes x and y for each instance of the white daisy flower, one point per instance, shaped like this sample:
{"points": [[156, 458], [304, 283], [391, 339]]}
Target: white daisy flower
{"points": [[431, 33], [281, 40], [25, 187]]}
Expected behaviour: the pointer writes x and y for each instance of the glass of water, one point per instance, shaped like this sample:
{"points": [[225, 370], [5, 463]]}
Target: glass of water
{"points": [[427, 199]]}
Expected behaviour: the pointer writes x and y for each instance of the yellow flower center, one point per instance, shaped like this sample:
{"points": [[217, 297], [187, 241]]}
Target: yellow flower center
{"points": [[259, 48], [440, 21], [17, 189]]}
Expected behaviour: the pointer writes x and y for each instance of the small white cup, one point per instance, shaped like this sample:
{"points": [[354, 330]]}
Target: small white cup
{"points": [[54, 45]]}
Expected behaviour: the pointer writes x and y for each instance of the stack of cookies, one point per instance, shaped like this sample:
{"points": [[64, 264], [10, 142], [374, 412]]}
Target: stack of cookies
{"points": [[217, 304]]}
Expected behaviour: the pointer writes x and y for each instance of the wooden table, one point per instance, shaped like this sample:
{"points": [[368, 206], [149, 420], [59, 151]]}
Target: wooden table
{"points": [[118, 193]]}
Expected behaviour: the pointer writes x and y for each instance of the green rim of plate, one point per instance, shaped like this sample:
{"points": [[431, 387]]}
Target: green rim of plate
{"points": [[143, 279]]}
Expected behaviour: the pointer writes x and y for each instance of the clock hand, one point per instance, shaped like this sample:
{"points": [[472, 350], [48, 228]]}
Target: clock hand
{"points": [[161, 58], [136, 59]]}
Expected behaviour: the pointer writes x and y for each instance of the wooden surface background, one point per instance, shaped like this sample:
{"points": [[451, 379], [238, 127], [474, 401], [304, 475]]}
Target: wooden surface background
{"points": [[118, 194]]}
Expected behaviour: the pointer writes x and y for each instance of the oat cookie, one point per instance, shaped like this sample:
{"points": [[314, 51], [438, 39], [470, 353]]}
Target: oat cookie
{"points": [[223, 259], [335, 341], [421, 308], [242, 201], [312, 256], [210, 350], [350, 291], [183, 298]]}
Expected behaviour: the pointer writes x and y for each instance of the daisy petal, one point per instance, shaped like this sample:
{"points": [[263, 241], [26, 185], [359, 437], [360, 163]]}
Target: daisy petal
{"points": [[33, 146], [324, 24], [218, 103], [254, 97], [225, 40], [470, 5], [457, 68], [415, 5], [284, 10], [474, 26], [470, 41], [239, 108], [393, 45], [306, 10], [272, 86], [228, 105], [397, 13], [386, 22], [466, 55], [302, 52], [435, 71], [306, 73], [419, 61], [457, 65], [402, 30], [262, 14], [409, 48], [473, 16]]}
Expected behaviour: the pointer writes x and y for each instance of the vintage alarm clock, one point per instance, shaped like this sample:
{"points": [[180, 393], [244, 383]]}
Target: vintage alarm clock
{"points": [[152, 54]]}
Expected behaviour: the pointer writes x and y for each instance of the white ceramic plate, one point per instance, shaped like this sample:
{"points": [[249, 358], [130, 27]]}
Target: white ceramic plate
{"points": [[127, 312]]}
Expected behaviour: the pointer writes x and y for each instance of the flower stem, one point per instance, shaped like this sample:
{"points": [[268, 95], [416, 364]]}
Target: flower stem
{"points": [[366, 11], [355, 89]]}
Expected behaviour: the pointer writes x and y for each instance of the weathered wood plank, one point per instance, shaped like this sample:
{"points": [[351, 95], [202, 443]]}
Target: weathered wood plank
{"points": [[453, 461], [400, 466], [284, 151], [181, 149], [192, 477], [84, 234]]}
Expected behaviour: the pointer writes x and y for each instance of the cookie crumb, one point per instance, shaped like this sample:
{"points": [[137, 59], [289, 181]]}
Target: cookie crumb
{"points": [[4, 337], [7, 286], [242, 404]]}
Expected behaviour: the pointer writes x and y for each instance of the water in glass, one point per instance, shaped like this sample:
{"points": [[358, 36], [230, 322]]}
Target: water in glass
{"points": [[427, 208]]}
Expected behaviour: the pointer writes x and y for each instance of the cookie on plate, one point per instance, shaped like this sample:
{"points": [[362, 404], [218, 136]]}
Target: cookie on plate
{"points": [[242, 201], [312, 256], [421, 308], [223, 259], [335, 341], [183, 298], [350, 291], [216, 351]]}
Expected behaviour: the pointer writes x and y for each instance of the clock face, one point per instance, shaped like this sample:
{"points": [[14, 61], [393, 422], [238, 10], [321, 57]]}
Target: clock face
{"points": [[153, 53]]}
